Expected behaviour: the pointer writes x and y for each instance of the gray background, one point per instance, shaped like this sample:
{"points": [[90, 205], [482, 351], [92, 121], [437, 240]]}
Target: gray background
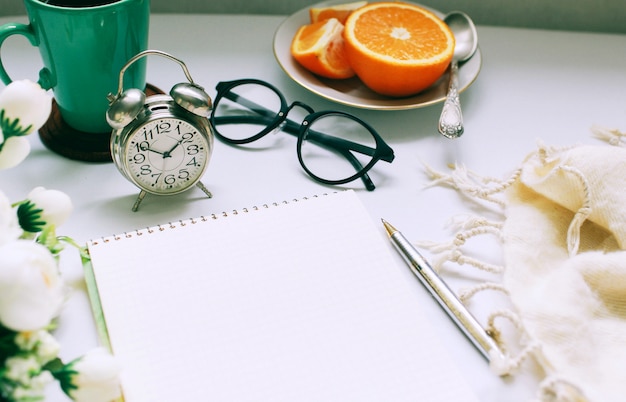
{"points": [[579, 15]]}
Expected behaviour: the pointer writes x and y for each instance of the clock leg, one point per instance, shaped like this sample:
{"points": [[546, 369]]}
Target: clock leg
{"points": [[140, 197], [204, 189]]}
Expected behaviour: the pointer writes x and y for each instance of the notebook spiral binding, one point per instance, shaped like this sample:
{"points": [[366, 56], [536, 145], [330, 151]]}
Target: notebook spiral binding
{"points": [[194, 221]]}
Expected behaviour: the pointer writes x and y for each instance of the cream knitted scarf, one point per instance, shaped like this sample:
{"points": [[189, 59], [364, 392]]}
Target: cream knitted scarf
{"points": [[563, 237]]}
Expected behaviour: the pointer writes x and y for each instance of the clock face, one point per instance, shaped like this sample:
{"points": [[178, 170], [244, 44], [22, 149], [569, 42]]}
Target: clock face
{"points": [[166, 155]]}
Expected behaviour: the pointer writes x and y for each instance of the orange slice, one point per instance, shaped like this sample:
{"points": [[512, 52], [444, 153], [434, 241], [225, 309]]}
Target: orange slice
{"points": [[340, 11], [397, 49], [319, 48]]}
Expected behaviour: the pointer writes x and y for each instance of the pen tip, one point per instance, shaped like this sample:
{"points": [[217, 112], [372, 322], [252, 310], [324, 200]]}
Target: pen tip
{"points": [[390, 229]]}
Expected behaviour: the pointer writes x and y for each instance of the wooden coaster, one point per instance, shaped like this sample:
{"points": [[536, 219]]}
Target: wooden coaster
{"points": [[66, 141]]}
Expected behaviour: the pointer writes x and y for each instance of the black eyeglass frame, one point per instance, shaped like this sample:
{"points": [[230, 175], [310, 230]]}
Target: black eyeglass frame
{"points": [[273, 120]]}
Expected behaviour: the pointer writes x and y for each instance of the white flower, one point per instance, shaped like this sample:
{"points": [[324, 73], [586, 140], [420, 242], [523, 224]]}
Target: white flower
{"points": [[40, 343], [34, 391], [31, 289], [56, 205], [96, 378], [28, 102], [9, 225], [14, 151], [21, 368]]}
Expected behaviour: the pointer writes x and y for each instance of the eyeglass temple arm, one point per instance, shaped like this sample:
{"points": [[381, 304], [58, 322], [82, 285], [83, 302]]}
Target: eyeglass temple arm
{"points": [[293, 128], [262, 111]]}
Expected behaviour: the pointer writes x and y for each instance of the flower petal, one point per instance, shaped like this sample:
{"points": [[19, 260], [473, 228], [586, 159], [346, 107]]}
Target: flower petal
{"points": [[31, 289], [97, 378], [56, 205], [9, 224], [14, 151], [26, 101]]}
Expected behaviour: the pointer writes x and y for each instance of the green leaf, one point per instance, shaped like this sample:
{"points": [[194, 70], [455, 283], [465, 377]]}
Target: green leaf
{"points": [[63, 373], [8, 347], [29, 217], [54, 366], [11, 128]]}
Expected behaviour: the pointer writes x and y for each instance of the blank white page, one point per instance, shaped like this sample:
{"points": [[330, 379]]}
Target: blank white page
{"points": [[300, 301]]}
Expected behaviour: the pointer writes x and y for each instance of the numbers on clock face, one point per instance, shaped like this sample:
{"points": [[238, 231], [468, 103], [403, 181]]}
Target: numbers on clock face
{"points": [[166, 156]]}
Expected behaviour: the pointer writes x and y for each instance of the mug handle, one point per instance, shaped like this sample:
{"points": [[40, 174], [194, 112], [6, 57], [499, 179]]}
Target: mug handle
{"points": [[46, 80]]}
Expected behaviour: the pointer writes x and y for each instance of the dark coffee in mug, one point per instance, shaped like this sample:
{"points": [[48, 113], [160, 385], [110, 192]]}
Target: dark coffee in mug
{"points": [[78, 3]]}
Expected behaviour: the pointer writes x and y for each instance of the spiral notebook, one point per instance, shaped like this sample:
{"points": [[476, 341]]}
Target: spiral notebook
{"points": [[295, 301]]}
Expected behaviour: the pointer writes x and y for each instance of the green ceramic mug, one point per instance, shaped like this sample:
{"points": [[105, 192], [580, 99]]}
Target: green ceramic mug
{"points": [[83, 46]]}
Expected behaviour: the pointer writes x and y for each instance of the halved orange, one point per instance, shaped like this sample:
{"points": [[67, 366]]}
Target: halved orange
{"points": [[340, 11], [397, 49], [319, 48]]}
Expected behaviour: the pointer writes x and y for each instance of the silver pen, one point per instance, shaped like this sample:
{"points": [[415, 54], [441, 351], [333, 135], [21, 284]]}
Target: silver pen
{"points": [[472, 329]]}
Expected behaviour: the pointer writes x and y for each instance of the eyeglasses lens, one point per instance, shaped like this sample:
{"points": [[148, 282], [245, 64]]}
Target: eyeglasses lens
{"points": [[334, 160], [246, 110]]}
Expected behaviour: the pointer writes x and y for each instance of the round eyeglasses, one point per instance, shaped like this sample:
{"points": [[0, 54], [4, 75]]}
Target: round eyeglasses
{"points": [[333, 147]]}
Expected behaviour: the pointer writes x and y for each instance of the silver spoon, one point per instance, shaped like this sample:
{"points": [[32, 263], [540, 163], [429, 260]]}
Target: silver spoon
{"points": [[466, 38]]}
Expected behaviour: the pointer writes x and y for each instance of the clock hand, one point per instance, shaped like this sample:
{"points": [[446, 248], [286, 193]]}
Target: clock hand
{"points": [[168, 154], [174, 147], [165, 154]]}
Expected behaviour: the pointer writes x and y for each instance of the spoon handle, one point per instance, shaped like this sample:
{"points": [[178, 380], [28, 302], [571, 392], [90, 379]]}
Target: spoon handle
{"points": [[451, 119]]}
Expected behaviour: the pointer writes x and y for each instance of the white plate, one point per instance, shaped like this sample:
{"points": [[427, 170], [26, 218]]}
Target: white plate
{"points": [[351, 91]]}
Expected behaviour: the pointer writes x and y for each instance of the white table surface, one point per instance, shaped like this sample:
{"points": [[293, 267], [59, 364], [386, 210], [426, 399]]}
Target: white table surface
{"points": [[533, 85]]}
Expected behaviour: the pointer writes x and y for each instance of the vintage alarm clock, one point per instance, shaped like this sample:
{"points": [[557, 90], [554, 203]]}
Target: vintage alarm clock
{"points": [[161, 143]]}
